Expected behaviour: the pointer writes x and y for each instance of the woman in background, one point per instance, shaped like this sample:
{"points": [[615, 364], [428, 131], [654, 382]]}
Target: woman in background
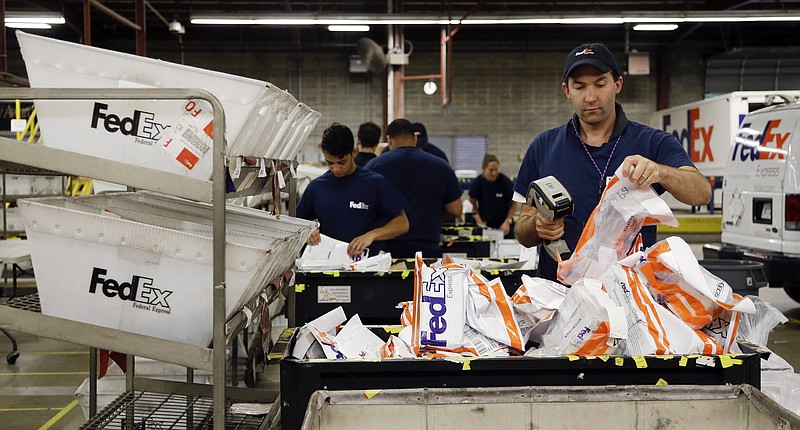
{"points": [[490, 195]]}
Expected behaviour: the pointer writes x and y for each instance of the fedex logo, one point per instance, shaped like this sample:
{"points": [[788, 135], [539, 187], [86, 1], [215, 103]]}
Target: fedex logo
{"points": [[359, 205], [139, 290], [767, 145], [696, 139], [141, 124], [434, 295]]}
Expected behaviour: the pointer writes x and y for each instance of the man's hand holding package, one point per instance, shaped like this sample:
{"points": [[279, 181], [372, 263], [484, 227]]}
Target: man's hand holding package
{"points": [[359, 244], [685, 183], [314, 239], [641, 171]]}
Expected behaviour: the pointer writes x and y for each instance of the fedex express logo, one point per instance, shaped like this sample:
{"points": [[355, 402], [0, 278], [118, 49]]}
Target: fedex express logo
{"points": [[696, 139], [753, 145], [434, 294], [139, 290], [141, 124]]}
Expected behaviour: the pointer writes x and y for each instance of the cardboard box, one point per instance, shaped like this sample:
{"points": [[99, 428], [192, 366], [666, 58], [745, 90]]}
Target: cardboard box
{"points": [[130, 262]]}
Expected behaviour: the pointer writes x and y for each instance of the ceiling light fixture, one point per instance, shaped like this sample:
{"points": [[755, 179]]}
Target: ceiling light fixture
{"points": [[655, 27], [429, 88], [353, 28], [40, 21], [655, 17]]}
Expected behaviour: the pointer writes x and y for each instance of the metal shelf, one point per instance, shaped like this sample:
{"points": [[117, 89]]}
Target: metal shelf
{"points": [[23, 315], [211, 191], [72, 163], [140, 410]]}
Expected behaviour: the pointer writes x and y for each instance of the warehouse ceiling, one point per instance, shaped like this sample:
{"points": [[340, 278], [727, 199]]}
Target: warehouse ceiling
{"points": [[713, 38]]}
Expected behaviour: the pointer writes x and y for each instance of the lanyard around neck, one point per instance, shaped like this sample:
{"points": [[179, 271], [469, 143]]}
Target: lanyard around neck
{"points": [[586, 149]]}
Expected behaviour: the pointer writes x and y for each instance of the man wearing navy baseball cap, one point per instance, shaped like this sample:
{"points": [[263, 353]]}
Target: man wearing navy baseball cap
{"points": [[584, 153], [593, 54]]}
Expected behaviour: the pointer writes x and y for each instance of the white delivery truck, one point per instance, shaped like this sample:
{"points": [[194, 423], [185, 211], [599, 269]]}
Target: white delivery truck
{"points": [[706, 128], [761, 194]]}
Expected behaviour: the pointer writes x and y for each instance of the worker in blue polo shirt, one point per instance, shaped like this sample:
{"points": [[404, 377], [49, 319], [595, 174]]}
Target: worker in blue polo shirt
{"points": [[429, 185], [491, 196], [352, 204], [424, 144], [586, 151]]}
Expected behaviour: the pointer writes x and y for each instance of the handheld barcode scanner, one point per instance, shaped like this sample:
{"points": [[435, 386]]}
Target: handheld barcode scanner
{"points": [[553, 201]]}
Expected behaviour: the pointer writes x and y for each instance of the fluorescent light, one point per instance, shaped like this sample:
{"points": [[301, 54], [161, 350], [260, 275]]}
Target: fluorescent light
{"points": [[36, 19], [655, 17], [355, 28], [313, 20], [655, 27], [38, 25]]}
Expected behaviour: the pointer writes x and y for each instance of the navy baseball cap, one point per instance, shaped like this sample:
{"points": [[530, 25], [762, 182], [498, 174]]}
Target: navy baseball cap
{"points": [[422, 133], [593, 54]]}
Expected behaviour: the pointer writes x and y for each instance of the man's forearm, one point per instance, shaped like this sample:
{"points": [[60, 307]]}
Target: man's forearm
{"points": [[395, 227], [686, 184]]}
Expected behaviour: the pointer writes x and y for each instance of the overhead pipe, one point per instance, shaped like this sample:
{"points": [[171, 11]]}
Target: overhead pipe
{"points": [[445, 56]]}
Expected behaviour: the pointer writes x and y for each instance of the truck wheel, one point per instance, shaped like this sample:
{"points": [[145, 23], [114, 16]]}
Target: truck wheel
{"points": [[793, 292]]}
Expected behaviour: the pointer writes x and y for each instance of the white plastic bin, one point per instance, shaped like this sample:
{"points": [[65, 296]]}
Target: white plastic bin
{"points": [[144, 270], [17, 185], [133, 131]]}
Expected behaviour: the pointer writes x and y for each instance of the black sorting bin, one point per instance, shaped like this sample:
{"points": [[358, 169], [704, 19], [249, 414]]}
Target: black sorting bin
{"points": [[474, 247], [744, 276], [371, 295], [300, 378]]}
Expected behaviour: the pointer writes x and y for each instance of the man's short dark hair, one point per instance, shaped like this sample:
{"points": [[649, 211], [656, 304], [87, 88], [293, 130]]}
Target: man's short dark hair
{"points": [[337, 140], [400, 127], [369, 134]]}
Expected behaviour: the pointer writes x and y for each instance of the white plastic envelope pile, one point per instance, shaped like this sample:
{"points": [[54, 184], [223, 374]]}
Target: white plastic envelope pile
{"points": [[622, 300]]}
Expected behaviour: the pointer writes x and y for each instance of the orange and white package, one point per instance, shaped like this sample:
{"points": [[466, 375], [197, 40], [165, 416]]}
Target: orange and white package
{"points": [[396, 348], [439, 307], [306, 343], [686, 288], [612, 228], [701, 299], [535, 302], [407, 315], [587, 323], [490, 311], [652, 329]]}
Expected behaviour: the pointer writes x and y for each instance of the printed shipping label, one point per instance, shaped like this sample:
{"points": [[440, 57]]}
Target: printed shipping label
{"points": [[333, 294], [190, 138]]}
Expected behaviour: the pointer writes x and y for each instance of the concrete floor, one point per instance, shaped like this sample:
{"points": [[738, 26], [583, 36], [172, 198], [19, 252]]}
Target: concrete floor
{"points": [[38, 391]]}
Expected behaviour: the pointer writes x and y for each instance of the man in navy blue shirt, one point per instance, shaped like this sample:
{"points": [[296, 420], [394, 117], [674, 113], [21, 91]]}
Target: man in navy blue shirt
{"points": [[588, 149], [424, 144], [429, 185], [368, 137], [352, 204]]}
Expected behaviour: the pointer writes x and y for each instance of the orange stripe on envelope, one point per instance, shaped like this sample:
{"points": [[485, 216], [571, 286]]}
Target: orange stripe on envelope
{"points": [[508, 315], [646, 304], [596, 344]]}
